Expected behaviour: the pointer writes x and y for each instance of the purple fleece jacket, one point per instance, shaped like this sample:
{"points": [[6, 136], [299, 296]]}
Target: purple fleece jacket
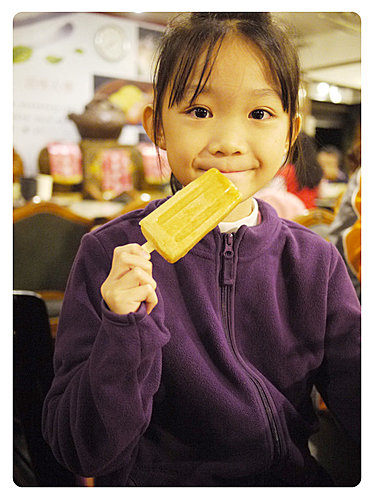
{"points": [[213, 387]]}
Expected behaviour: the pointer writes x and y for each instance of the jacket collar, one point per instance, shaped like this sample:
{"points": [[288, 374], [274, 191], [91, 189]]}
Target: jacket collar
{"points": [[256, 239]]}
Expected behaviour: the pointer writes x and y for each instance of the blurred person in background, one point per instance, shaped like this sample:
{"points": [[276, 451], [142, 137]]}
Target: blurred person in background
{"points": [[330, 159], [345, 230], [296, 185]]}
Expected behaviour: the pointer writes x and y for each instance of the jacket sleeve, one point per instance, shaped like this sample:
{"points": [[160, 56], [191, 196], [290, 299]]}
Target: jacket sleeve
{"points": [[339, 379], [107, 370]]}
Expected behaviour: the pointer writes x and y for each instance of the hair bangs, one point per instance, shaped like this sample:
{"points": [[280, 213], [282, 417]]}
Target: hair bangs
{"points": [[188, 68]]}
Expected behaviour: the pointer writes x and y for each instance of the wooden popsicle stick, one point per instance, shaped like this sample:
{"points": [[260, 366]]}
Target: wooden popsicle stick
{"points": [[148, 246]]}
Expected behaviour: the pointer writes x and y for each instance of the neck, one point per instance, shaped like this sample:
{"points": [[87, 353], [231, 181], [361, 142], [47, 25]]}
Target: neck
{"points": [[242, 210]]}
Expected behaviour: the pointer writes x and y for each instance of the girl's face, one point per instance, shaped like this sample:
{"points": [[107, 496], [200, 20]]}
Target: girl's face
{"points": [[237, 124]]}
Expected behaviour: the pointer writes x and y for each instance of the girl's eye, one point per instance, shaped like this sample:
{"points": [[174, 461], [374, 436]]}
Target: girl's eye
{"points": [[199, 112], [260, 114]]}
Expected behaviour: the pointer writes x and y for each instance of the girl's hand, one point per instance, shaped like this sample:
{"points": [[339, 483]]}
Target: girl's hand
{"points": [[130, 281]]}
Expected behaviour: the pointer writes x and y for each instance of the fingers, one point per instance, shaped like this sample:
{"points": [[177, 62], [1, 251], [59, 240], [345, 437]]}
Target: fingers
{"points": [[130, 281], [129, 300], [136, 276], [128, 257]]}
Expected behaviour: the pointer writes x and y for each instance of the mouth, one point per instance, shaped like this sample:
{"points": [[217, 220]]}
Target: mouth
{"points": [[227, 170], [235, 171]]}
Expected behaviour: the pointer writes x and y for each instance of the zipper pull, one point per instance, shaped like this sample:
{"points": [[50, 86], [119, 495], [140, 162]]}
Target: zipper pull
{"points": [[228, 260]]}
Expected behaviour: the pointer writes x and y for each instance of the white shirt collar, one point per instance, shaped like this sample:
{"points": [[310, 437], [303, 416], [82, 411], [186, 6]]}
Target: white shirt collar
{"points": [[250, 220]]}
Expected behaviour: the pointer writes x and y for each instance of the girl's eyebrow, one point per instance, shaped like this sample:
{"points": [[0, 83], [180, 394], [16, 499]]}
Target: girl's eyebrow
{"points": [[266, 92], [191, 90]]}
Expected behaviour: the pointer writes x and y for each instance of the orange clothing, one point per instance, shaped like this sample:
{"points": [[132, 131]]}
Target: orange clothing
{"points": [[345, 230], [352, 236]]}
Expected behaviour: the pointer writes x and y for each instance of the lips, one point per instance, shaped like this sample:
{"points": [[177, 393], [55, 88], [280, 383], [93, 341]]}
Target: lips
{"points": [[224, 166], [227, 170], [235, 171]]}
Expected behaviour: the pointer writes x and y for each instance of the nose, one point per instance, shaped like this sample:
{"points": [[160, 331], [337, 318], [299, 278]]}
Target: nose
{"points": [[227, 140]]}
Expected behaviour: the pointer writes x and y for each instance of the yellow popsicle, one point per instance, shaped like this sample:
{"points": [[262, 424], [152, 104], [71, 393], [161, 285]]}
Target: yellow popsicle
{"points": [[178, 224]]}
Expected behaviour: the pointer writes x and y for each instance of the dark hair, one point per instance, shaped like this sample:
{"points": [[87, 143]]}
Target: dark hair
{"points": [[189, 35], [308, 171]]}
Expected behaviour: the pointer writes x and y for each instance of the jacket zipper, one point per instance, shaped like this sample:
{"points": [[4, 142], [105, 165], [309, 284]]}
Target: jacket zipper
{"points": [[227, 283]]}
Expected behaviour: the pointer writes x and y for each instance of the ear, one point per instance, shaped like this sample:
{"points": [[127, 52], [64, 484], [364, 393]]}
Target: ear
{"points": [[148, 125], [297, 123]]}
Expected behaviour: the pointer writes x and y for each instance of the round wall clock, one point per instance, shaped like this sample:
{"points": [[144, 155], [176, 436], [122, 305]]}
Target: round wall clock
{"points": [[111, 42]]}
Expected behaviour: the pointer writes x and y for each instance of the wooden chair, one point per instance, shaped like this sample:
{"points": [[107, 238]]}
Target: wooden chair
{"points": [[316, 219], [46, 238], [33, 461]]}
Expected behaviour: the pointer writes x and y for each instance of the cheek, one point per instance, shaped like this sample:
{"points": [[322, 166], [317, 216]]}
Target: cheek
{"points": [[276, 148], [179, 162], [181, 148], [271, 153]]}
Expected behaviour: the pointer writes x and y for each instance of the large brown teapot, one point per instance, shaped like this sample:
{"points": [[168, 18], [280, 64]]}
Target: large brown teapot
{"points": [[100, 120]]}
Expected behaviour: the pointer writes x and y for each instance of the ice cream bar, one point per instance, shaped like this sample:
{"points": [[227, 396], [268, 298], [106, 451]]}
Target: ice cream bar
{"points": [[178, 224]]}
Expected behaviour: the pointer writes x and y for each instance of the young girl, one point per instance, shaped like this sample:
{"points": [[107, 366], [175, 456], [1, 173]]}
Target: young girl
{"points": [[199, 373]]}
